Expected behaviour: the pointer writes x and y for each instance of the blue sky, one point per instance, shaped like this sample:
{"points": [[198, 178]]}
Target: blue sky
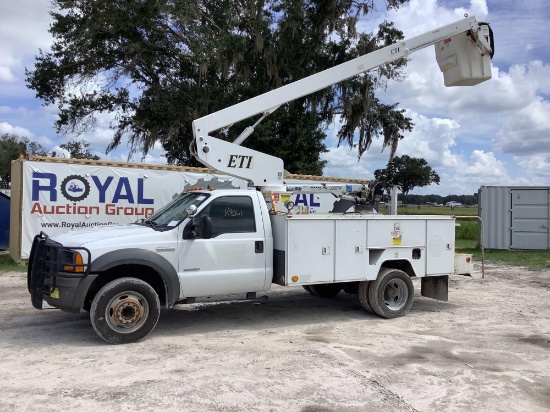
{"points": [[496, 133]]}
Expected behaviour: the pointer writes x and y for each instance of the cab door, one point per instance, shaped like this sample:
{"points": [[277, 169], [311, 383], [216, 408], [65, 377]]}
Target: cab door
{"points": [[234, 259]]}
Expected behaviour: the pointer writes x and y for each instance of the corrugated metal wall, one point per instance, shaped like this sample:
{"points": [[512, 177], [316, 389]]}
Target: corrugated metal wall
{"points": [[496, 210]]}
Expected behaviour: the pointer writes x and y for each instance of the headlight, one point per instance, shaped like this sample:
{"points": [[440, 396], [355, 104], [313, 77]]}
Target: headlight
{"points": [[73, 262]]}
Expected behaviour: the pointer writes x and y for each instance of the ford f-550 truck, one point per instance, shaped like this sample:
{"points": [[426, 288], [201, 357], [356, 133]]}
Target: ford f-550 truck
{"points": [[236, 242]]}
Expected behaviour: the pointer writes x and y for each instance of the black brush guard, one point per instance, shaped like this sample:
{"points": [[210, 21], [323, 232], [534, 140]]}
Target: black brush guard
{"points": [[48, 260]]}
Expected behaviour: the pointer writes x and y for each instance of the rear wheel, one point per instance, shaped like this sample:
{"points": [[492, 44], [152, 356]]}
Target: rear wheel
{"points": [[391, 295], [125, 310], [328, 290], [363, 293]]}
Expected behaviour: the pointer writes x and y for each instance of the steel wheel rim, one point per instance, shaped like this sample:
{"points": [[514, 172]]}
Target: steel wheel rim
{"points": [[396, 294], [126, 312]]}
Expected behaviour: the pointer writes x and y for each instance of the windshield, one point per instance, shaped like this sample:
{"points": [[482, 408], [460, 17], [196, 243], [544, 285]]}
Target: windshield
{"points": [[175, 211]]}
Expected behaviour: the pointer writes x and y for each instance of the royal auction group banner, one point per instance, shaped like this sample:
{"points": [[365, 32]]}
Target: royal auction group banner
{"points": [[57, 197]]}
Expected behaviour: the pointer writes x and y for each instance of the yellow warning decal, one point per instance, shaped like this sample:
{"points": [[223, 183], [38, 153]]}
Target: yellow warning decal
{"points": [[397, 241]]}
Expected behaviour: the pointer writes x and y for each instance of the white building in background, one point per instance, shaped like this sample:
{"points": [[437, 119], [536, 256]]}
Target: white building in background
{"points": [[453, 204]]}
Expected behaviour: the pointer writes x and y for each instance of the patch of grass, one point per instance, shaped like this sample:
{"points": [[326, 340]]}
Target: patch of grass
{"points": [[465, 244], [432, 210], [8, 265], [467, 230], [531, 259]]}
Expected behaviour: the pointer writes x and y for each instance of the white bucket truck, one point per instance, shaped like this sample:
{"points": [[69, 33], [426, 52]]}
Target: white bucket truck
{"points": [[236, 242]]}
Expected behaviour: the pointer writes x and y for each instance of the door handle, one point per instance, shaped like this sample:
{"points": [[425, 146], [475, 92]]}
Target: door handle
{"points": [[259, 246]]}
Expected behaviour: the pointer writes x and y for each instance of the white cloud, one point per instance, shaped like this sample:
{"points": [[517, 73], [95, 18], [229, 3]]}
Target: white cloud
{"points": [[59, 152], [343, 160], [537, 167], [435, 140], [20, 131], [485, 165], [526, 131], [431, 139], [25, 23], [44, 141], [420, 16], [467, 175], [6, 74], [521, 30], [477, 8], [153, 157]]}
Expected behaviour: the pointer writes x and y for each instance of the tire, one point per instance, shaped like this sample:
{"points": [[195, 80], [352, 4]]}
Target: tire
{"points": [[328, 290], [391, 295], [125, 310], [307, 289], [363, 293]]}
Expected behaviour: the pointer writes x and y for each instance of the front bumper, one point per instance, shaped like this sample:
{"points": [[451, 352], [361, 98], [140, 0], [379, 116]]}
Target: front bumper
{"points": [[47, 279]]}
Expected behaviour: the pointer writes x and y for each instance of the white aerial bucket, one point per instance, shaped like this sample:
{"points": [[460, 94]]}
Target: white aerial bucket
{"points": [[462, 61]]}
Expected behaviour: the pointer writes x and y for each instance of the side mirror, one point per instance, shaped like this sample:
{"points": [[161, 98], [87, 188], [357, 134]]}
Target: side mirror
{"points": [[200, 227]]}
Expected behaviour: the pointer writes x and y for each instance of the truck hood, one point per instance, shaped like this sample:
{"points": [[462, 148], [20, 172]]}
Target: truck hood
{"points": [[87, 236]]}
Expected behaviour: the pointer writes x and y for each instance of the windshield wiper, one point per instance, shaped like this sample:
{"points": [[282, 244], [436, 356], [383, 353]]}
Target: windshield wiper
{"points": [[153, 224]]}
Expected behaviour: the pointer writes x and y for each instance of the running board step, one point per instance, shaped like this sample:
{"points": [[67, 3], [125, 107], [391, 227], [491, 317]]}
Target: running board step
{"points": [[200, 305]]}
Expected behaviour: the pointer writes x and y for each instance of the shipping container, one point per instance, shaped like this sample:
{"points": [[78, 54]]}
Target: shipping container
{"points": [[515, 217]]}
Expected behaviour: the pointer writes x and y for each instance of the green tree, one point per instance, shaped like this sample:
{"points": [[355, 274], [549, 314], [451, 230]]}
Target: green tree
{"points": [[11, 147], [406, 173], [77, 150], [155, 65]]}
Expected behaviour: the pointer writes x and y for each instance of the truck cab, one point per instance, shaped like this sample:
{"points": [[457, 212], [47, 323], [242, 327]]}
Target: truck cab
{"points": [[227, 246]]}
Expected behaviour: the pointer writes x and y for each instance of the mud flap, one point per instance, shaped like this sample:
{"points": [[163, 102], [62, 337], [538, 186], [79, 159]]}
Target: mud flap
{"points": [[435, 287]]}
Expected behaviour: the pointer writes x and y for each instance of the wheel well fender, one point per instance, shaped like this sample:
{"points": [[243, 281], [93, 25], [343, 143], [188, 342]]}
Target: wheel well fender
{"points": [[142, 264], [400, 264]]}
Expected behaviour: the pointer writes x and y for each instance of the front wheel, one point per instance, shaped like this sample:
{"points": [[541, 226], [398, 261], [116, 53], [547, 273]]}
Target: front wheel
{"points": [[391, 295], [125, 310]]}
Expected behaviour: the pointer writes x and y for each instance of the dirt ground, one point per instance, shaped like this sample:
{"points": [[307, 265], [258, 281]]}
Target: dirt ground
{"points": [[487, 349]]}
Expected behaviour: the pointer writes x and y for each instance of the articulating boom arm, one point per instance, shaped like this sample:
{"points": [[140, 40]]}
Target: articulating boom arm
{"points": [[471, 48]]}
